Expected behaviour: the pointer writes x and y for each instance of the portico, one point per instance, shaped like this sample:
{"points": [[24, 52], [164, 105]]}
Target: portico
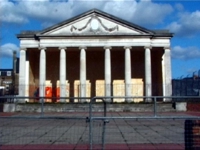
{"points": [[95, 54]]}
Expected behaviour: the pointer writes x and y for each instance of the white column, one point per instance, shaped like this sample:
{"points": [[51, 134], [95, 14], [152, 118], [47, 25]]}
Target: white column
{"points": [[82, 73], [22, 73], [42, 73], [107, 73], [166, 73], [62, 74], [148, 82], [128, 85], [27, 78]]}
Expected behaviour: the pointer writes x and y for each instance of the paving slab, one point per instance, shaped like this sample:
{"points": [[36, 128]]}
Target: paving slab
{"points": [[63, 133]]}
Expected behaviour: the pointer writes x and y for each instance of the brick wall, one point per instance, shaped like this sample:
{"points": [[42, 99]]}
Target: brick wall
{"points": [[193, 106]]}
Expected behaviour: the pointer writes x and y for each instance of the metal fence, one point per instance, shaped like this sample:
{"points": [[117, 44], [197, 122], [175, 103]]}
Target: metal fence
{"points": [[103, 129], [43, 133], [186, 87]]}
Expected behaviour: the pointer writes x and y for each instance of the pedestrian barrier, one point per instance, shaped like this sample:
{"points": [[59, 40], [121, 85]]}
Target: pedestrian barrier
{"points": [[106, 129], [43, 133]]}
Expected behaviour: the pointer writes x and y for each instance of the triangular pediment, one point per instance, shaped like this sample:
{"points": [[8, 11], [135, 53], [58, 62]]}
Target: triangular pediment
{"points": [[94, 23]]}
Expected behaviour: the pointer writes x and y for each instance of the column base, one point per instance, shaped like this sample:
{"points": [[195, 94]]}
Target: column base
{"points": [[181, 106]]}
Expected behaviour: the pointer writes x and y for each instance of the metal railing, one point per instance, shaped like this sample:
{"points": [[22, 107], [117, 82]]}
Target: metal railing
{"points": [[97, 128], [105, 119]]}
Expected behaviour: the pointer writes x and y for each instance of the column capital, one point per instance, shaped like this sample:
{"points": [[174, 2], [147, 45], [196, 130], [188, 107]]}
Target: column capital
{"points": [[166, 48], [23, 48], [107, 47], [42, 48], [147, 47], [60, 48], [127, 47], [83, 47]]}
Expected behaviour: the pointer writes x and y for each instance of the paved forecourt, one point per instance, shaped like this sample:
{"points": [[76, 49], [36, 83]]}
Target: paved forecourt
{"points": [[71, 131]]}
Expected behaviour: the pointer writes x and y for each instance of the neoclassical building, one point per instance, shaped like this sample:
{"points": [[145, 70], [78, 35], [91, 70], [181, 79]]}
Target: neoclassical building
{"points": [[95, 54]]}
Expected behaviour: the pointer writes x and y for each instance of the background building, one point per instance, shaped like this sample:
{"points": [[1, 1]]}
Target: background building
{"points": [[9, 78], [8, 82]]}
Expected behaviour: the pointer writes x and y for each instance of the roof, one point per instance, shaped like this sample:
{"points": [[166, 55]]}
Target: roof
{"points": [[35, 34]]}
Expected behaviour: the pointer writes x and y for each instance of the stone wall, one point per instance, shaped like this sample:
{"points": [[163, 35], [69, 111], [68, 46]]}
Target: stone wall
{"points": [[77, 107]]}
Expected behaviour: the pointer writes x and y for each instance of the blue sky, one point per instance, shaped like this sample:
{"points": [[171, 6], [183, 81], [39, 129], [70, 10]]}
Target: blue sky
{"points": [[181, 17]]}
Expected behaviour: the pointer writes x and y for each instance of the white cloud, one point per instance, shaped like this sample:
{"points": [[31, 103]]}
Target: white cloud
{"points": [[52, 11], [7, 50], [22, 10], [187, 25], [179, 7], [187, 53], [148, 13], [10, 14]]}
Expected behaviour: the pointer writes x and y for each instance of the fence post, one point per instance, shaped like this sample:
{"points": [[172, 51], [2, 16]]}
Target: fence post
{"points": [[90, 123], [155, 107], [104, 125], [42, 107]]}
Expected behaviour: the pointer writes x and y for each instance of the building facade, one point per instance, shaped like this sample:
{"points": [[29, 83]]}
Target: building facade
{"points": [[95, 54]]}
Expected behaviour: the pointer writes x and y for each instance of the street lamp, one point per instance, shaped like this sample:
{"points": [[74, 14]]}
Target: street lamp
{"points": [[14, 72]]}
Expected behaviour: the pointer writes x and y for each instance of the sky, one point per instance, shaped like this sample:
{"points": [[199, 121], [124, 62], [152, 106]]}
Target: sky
{"points": [[180, 17]]}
